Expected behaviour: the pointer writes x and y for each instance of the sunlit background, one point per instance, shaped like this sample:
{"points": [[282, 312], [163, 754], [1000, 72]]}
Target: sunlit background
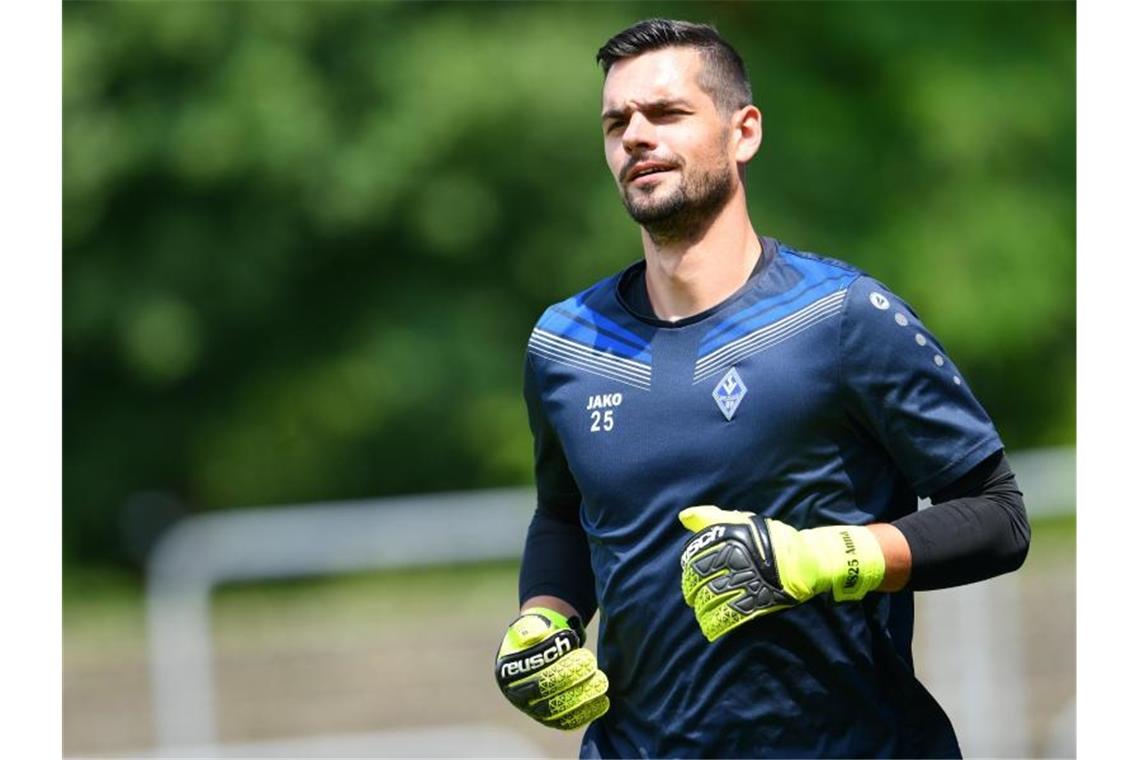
{"points": [[304, 244]]}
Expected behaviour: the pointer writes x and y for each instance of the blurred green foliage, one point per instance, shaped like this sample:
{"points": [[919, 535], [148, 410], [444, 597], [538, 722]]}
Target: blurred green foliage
{"points": [[304, 243]]}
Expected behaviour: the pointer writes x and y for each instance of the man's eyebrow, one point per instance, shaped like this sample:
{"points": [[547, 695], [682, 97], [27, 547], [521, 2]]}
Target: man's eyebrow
{"points": [[649, 106]]}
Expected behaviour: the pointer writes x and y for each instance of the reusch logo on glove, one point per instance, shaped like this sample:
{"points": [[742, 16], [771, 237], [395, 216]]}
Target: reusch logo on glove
{"points": [[557, 647], [700, 541]]}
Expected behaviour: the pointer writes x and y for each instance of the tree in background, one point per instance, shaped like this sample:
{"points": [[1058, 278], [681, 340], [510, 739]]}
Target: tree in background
{"points": [[304, 243]]}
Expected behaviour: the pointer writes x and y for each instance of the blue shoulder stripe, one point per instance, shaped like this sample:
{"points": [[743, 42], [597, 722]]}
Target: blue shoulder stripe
{"points": [[819, 279], [575, 321]]}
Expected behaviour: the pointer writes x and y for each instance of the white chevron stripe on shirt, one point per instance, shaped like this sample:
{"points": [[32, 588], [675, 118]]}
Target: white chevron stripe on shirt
{"points": [[769, 335], [593, 370], [550, 340], [573, 354]]}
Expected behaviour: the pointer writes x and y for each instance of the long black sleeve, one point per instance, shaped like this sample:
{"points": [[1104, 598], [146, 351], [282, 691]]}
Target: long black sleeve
{"points": [[556, 562], [556, 556], [976, 528]]}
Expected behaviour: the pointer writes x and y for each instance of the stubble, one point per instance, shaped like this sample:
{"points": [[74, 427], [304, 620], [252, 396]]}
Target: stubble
{"points": [[684, 213]]}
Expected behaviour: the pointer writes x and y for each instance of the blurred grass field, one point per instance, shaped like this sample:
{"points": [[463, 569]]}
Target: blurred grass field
{"points": [[411, 648]]}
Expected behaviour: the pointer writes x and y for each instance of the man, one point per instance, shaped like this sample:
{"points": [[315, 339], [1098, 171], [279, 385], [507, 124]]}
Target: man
{"points": [[729, 437]]}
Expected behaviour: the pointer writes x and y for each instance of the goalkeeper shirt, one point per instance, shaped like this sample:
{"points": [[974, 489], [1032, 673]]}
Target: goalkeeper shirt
{"points": [[815, 396]]}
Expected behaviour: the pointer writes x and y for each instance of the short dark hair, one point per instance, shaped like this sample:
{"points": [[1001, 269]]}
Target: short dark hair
{"points": [[722, 76]]}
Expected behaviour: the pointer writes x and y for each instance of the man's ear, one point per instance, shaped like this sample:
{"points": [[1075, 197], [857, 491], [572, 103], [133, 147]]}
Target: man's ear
{"points": [[746, 127]]}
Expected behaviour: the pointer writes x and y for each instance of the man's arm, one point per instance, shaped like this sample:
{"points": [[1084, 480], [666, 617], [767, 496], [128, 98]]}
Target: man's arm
{"points": [[900, 386], [896, 556], [739, 566], [556, 554], [556, 562], [542, 666], [976, 528]]}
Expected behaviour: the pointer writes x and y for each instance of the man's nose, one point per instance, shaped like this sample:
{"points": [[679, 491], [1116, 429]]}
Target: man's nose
{"points": [[639, 133]]}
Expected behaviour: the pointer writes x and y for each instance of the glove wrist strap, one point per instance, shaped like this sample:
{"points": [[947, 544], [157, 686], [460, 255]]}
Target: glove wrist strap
{"points": [[850, 558], [559, 620]]}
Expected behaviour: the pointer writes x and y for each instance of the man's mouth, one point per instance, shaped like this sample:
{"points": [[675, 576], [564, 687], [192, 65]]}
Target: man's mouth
{"points": [[643, 171]]}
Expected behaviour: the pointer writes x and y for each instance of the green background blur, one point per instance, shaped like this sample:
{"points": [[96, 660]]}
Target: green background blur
{"points": [[304, 243]]}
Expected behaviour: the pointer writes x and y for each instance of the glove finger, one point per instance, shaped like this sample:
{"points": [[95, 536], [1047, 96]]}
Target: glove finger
{"points": [[558, 709], [706, 599], [726, 588], [726, 558], [721, 620], [750, 596], [582, 715], [693, 582], [573, 669], [700, 517], [743, 586]]}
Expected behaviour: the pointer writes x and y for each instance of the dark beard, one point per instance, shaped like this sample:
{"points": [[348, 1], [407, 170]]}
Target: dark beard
{"points": [[685, 214]]}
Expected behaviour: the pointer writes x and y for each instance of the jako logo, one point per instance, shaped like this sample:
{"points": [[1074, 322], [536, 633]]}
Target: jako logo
{"points": [[700, 542], [603, 401], [558, 648]]}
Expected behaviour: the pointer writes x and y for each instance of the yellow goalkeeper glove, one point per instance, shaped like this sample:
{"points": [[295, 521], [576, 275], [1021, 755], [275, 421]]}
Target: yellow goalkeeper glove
{"points": [[543, 669], [739, 566]]}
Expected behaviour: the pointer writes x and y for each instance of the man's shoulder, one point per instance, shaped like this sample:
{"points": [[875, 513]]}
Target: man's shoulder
{"points": [[869, 293], [817, 264], [596, 299], [814, 273], [591, 330]]}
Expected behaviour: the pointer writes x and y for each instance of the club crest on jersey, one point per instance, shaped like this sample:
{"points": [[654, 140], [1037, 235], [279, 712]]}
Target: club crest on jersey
{"points": [[729, 392]]}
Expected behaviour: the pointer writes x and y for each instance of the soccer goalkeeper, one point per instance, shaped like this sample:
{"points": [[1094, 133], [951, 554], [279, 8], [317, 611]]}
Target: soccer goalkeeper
{"points": [[729, 439]]}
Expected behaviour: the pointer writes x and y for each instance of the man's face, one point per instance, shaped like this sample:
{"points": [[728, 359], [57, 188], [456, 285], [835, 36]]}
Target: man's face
{"points": [[666, 144]]}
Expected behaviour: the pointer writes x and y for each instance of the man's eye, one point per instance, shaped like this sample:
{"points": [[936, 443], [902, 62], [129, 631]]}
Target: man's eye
{"points": [[614, 125]]}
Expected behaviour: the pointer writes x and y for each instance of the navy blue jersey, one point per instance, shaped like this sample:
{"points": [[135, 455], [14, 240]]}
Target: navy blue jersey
{"points": [[815, 396]]}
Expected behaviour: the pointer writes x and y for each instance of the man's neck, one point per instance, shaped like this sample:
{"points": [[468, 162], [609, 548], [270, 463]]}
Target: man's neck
{"points": [[687, 277]]}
